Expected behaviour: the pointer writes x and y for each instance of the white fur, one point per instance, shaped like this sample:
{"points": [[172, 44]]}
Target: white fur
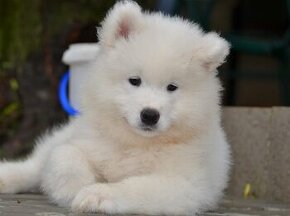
{"points": [[103, 160]]}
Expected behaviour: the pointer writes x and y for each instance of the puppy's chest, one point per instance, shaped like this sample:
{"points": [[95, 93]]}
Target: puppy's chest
{"points": [[120, 165]]}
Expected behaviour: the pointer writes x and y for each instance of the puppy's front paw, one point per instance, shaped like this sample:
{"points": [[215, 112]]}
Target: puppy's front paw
{"points": [[95, 198]]}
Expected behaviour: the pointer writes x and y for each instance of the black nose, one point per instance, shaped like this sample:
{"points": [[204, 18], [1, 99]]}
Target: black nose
{"points": [[149, 116]]}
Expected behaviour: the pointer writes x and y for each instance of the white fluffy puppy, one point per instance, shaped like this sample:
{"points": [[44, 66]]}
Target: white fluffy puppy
{"points": [[149, 138]]}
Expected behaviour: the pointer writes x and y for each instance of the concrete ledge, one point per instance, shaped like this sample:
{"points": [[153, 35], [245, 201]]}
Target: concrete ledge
{"points": [[260, 140], [37, 205]]}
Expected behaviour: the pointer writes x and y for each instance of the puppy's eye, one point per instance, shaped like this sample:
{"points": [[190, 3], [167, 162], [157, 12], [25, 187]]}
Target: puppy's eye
{"points": [[172, 87], [135, 81]]}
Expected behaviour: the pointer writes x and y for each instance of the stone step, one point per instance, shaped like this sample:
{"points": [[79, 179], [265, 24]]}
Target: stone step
{"points": [[38, 205], [260, 140]]}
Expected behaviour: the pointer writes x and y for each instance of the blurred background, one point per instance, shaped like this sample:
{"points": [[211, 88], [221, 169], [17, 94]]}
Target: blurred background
{"points": [[35, 33]]}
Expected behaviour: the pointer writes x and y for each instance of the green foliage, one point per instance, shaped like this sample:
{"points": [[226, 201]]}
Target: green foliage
{"points": [[9, 110], [20, 30], [23, 23], [14, 84]]}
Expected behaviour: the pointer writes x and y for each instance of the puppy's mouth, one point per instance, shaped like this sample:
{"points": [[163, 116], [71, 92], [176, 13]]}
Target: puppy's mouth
{"points": [[148, 128], [147, 131]]}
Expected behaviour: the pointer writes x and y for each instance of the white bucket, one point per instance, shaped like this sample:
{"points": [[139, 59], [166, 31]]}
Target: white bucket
{"points": [[80, 58]]}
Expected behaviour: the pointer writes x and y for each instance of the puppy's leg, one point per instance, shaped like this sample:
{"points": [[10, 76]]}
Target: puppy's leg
{"points": [[145, 195], [66, 172]]}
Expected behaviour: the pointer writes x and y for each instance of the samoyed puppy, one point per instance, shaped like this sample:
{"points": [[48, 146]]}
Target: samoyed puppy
{"points": [[149, 139]]}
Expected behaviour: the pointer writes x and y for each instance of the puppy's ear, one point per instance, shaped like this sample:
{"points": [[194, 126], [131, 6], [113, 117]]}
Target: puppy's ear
{"points": [[124, 19], [214, 51]]}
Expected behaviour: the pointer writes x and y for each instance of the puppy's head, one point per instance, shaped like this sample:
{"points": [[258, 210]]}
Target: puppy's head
{"points": [[155, 76]]}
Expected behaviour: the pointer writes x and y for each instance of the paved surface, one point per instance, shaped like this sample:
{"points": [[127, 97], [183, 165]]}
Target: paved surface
{"points": [[260, 140], [37, 205]]}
